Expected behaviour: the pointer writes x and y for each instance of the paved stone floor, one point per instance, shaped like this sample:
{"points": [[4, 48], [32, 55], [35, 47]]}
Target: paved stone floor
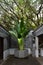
{"points": [[40, 60], [1, 61], [26, 61]]}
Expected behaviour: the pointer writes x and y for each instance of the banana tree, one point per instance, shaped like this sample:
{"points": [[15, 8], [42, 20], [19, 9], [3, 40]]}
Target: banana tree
{"points": [[19, 32]]}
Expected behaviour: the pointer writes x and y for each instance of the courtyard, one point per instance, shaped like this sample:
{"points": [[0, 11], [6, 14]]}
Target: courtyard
{"points": [[21, 32]]}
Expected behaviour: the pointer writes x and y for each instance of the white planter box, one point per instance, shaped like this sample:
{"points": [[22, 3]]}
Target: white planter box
{"points": [[21, 53]]}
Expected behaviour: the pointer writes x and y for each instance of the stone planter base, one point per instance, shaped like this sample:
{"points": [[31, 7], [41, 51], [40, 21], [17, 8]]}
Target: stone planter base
{"points": [[21, 53]]}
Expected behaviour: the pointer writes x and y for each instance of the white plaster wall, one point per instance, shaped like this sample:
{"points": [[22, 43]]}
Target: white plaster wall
{"points": [[41, 51], [5, 54], [36, 44], [33, 50], [29, 50], [8, 52], [11, 50]]}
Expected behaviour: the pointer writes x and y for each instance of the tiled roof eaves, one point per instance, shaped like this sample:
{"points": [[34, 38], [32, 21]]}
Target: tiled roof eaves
{"points": [[37, 28], [4, 29]]}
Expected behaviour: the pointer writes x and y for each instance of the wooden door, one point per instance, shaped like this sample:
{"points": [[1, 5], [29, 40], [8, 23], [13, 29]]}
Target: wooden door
{"points": [[1, 48]]}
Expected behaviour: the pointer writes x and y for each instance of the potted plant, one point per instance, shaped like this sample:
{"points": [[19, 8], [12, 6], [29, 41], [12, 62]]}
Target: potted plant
{"points": [[19, 31]]}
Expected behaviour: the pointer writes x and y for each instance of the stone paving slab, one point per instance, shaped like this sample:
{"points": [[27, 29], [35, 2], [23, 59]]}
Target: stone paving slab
{"points": [[26, 61], [40, 59]]}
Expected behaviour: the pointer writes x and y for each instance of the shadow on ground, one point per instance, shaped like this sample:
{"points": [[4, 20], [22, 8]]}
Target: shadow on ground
{"points": [[1, 61], [26, 61]]}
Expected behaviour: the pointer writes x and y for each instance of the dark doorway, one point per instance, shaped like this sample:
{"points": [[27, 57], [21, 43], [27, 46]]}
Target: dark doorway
{"points": [[1, 48], [40, 41], [40, 37]]}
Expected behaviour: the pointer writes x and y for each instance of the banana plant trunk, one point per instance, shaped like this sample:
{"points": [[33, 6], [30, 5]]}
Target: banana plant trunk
{"points": [[21, 43]]}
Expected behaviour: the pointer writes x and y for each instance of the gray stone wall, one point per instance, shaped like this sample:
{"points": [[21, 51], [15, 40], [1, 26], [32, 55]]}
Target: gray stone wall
{"points": [[28, 42], [14, 43]]}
